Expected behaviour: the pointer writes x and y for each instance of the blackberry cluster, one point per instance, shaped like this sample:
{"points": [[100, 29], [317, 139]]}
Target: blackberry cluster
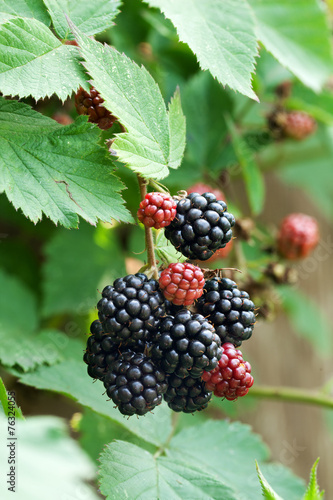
{"points": [[100, 352], [186, 344], [134, 384], [187, 395], [131, 309], [91, 104], [202, 225], [230, 310]]}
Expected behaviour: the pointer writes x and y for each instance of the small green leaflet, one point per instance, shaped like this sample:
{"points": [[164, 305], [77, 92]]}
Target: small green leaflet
{"points": [[253, 177], [34, 62], [128, 471], [24, 8], [267, 491], [155, 137], [221, 35], [90, 17], [166, 251], [56, 170], [297, 34], [7, 403], [313, 491]]}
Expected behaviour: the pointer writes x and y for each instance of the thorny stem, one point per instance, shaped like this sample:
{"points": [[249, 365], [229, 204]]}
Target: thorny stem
{"points": [[161, 450], [292, 394], [148, 232]]}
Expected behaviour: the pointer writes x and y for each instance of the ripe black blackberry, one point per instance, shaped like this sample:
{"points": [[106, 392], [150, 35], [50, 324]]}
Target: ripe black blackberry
{"points": [[186, 395], [230, 310], [186, 344], [135, 384], [202, 225], [131, 309]]}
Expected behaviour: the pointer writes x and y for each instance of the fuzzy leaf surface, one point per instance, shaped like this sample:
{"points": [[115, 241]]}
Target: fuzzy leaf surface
{"points": [[221, 35], [128, 471], [56, 170], [90, 17], [34, 62], [297, 34], [155, 138], [24, 8]]}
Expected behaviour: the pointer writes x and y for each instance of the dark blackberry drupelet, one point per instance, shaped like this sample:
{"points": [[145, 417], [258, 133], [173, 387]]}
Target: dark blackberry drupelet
{"points": [[230, 310], [135, 384], [202, 225], [131, 309], [187, 394], [91, 104], [186, 344]]}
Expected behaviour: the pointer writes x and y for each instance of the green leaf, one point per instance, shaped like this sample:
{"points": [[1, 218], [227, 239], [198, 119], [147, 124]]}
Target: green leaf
{"points": [[177, 131], [267, 491], [166, 251], [78, 263], [5, 398], [307, 318], [90, 17], [154, 427], [149, 146], [313, 490], [297, 34], [253, 177], [34, 62], [128, 471], [49, 458], [56, 170], [25, 8], [221, 34]]}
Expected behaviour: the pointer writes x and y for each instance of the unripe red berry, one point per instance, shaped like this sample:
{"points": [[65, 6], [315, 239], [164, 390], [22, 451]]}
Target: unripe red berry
{"points": [[298, 236], [182, 284], [298, 125], [91, 104], [232, 377], [157, 210], [202, 188]]}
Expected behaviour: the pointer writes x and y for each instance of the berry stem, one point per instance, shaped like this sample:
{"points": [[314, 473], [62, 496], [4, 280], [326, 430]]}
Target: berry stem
{"points": [[292, 394], [148, 232], [158, 187]]}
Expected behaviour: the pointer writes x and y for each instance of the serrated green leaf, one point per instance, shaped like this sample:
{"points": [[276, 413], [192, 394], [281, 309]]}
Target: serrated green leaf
{"points": [[34, 62], [267, 490], [56, 170], [90, 17], [253, 177], [128, 471], [154, 427], [6, 398], [221, 34], [166, 251], [49, 463], [297, 34], [177, 130], [307, 318], [25, 8], [313, 491], [70, 284], [135, 98]]}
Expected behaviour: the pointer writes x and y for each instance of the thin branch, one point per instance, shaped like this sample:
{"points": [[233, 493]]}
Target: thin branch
{"points": [[292, 394], [148, 232]]}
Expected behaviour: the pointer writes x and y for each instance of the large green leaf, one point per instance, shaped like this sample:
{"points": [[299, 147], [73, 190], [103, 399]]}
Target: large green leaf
{"points": [[154, 140], [50, 465], [24, 8], [154, 427], [307, 318], [297, 34], [56, 170], [221, 34], [128, 471], [253, 177], [90, 17], [76, 263], [34, 62]]}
